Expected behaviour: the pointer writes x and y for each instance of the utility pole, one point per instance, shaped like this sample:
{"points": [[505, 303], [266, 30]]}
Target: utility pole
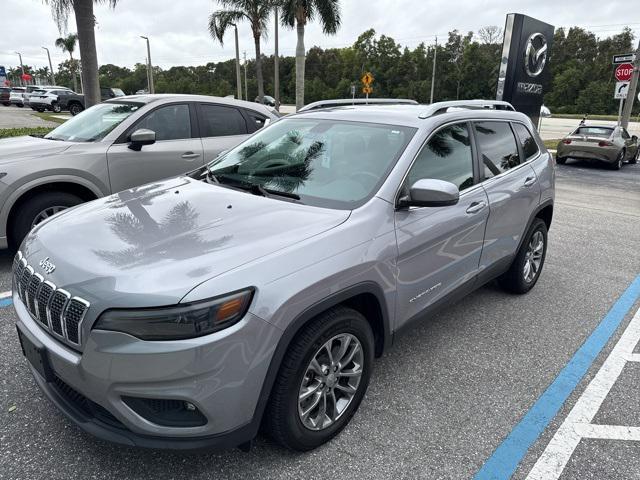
{"points": [[246, 94], [276, 68], [53, 77], [238, 81], [433, 73], [21, 68], [149, 67], [631, 95]]}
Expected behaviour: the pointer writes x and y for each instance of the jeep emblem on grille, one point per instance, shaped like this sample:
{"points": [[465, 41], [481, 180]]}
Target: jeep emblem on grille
{"points": [[47, 266]]}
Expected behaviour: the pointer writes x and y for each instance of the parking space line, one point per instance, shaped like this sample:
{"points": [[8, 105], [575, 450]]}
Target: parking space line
{"points": [[5, 299], [577, 424], [505, 459], [6, 294]]}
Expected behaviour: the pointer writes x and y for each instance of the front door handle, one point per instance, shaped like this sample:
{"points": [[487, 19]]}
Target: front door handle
{"points": [[190, 155], [529, 181], [475, 207]]}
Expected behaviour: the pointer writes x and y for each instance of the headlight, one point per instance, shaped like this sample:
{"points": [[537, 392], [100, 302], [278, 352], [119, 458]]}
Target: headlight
{"points": [[179, 322]]}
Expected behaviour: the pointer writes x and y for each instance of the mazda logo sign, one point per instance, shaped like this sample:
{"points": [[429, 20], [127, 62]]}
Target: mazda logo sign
{"points": [[535, 54]]}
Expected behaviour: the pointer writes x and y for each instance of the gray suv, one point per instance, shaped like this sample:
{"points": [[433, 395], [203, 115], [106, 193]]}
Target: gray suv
{"points": [[118, 144], [257, 290]]}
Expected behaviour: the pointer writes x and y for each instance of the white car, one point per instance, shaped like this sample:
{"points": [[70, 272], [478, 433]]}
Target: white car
{"points": [[47, 99], [15, 96]]}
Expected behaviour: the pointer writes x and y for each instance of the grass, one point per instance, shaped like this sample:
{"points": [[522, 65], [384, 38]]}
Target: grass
{"points": [[551, 144], [49, 117], [589, 117], [17, 132]]}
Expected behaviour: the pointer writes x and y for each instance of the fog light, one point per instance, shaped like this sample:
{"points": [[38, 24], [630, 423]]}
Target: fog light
{"points": [[190, 406], [167, 412]]}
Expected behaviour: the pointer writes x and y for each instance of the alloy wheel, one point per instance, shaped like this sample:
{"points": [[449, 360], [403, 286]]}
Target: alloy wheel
{"points": [[330, 382], [46, 213], [533, 257]]}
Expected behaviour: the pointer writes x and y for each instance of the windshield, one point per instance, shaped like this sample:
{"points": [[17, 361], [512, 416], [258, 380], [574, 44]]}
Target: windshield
{"points": [[94, 123], [117, 92], [594, 131], [325, 163]]}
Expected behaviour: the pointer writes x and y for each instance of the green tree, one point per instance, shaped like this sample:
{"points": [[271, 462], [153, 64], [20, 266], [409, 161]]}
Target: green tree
{"points": [[256, 12], [297, 13], [85, 24], [68, 44]]}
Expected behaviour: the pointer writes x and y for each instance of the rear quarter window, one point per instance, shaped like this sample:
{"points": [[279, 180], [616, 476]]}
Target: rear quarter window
{"points": [[527, 142]]}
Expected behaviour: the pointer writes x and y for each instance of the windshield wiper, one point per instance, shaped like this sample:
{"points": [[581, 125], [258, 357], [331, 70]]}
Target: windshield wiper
{"points": [[265, 192]]}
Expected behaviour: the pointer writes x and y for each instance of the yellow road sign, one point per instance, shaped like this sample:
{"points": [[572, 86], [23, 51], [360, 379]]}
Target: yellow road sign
{"points": [[367, 79], [367, 90]]}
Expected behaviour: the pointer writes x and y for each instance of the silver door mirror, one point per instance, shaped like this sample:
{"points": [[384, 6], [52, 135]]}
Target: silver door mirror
{"points": [[140, 137], [431, 193]]}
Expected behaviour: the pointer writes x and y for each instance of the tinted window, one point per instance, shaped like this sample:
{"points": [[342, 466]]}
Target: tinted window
{"points": [[447, 156], [219, 121], [498, 150], [529, 146], [171, 122], [256, 121]]}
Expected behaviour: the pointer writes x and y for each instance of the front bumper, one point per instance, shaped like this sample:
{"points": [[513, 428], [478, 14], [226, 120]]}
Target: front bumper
{"points": [[221, 374]]}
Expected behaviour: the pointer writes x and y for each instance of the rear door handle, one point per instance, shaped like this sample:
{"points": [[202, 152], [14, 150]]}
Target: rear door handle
{"points": [[529, 181], [190, 155], [475, 207]]}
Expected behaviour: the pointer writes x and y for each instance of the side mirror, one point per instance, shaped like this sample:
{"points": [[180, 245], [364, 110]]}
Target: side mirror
{"points": [[141, 137], [431, 193]]}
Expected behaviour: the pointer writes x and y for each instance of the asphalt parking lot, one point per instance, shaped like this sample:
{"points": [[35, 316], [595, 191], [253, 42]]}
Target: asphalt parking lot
{"points": [[444, 398], [16, 117]]}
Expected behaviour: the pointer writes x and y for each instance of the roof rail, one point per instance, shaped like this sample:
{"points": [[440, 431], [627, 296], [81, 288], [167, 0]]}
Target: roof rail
{"points": [[342, 102], [443, 107]]}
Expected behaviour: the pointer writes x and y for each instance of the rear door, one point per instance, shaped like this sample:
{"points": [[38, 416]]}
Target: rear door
{"points": [[177, 149], [511, 186], [221, 127]]}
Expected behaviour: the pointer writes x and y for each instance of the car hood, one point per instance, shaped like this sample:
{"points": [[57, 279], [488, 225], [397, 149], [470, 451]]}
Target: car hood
{"points": [[20, 148], [151, 245]]}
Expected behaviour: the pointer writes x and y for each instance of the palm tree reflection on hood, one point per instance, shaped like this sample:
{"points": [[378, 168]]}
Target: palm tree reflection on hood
{"points": [[175, 236]]}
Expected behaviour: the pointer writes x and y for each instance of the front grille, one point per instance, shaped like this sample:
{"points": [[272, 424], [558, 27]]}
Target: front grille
{"points": [[53, 307]]}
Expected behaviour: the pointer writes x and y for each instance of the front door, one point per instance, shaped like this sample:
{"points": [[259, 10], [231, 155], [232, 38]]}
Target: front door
{"points": [[439, 248], [176, 150]]}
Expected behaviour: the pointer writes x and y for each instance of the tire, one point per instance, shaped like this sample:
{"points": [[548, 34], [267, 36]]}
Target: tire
{"points": [[19, 105], [617, 165], [283, 422], [31, 208], [55, 107], [40, 109], [561, 160], [75, 109], [515, 280]]}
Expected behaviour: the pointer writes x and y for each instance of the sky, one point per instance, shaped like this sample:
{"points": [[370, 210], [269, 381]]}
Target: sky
{"points": [[179, 36]]}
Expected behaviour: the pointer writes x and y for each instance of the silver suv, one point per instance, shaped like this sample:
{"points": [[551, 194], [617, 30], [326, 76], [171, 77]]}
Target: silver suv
{"points": [[118, 144], [258, 289]]}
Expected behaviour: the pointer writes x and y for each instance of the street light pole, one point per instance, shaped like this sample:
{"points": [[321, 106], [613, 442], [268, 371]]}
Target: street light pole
{"points": [[246, 94], [21, 68], [149, 65], [276, 67], [53, 77], [238, 80], [433, 73]]}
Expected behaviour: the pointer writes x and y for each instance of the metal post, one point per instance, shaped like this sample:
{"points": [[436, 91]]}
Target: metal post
{"points": [[631, 94], [21, 68], [276, 67], [149, 65], [53, 77], [246, 94], [146, 62], [433, 73], [238, 81], [620, 112]]}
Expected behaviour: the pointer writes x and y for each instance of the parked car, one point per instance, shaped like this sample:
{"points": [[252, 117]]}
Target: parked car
{"points": [[15, 96], [48, 99], [344, 102], [113, 146], [31, 90], [258, 289], [5, 93], [74, 102], [599, 143], [267, 100]]}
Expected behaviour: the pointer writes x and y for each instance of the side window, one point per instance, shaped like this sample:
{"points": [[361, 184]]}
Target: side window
{"points": [[256, 121], [221, 121], [529, 145], [171, 122], [498, 150], [447, 156]]}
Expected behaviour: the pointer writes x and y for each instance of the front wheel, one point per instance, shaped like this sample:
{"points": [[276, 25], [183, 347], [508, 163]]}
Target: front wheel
{"points": [[75, 109], [617, 165], [322, 380], [526, 267], [55, 107]]}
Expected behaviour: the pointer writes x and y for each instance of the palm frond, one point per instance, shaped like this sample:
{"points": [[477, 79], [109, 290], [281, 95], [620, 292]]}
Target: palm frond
{"points": [[221, 20]]}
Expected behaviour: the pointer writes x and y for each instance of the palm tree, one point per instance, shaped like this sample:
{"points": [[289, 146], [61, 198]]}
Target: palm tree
{"points": [[85, 24], [68, 44], [298, 13], [256, 12]]}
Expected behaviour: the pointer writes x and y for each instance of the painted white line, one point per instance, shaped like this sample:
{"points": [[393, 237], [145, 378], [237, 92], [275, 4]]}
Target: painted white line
{"points": [[608, 432], [633, 357], [555, 457], [6, 294]]}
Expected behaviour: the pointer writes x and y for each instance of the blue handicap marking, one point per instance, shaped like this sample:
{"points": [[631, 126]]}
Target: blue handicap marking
{"points": [[5, 302]]}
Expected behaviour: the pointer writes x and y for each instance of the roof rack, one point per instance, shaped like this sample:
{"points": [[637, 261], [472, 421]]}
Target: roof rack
{"points": [[346, 102], [443, 107]]}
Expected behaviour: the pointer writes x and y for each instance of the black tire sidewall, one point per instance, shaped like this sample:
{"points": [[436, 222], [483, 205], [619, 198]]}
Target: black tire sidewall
{"points": [[513, 280], [75, 109], [21, 224], [345, 321]]}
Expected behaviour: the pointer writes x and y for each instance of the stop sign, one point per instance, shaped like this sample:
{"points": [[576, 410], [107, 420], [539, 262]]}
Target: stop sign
{"points": [[623, 72]]}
